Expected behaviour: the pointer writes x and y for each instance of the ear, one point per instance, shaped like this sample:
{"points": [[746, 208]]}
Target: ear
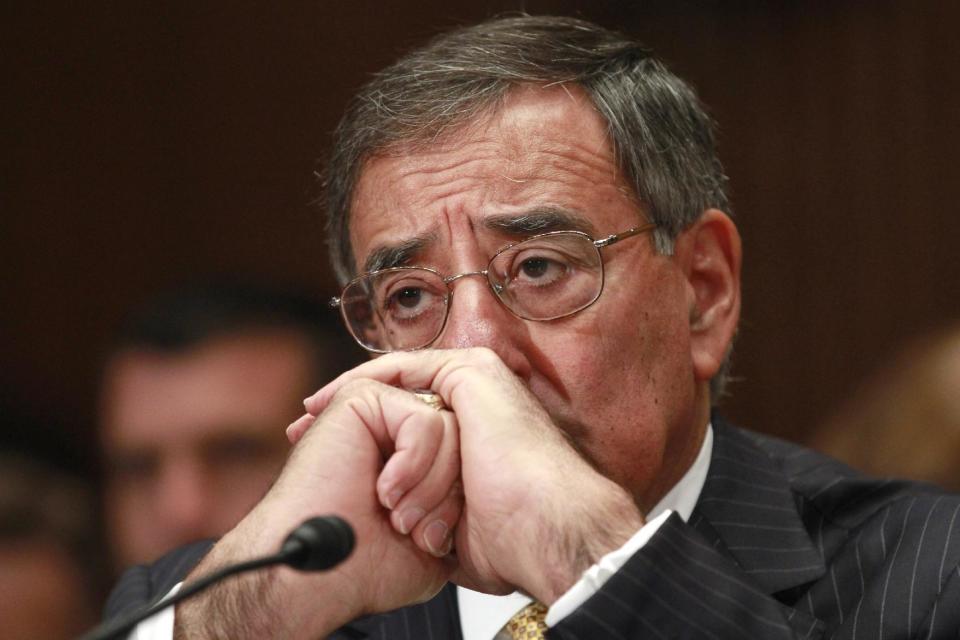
{"points": [[709, 252]]}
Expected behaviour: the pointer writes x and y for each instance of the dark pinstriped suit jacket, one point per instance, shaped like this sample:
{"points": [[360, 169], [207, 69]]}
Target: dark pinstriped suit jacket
{"points": [[783, 543]]}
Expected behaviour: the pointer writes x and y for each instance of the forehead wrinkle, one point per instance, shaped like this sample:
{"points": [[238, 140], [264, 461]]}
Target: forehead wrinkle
{"points": [[441, 160], [574, 157], [421, 188], [419, 168]]}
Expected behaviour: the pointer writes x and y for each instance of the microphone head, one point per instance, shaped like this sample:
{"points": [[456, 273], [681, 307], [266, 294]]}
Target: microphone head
{"points": [[318, 544]]}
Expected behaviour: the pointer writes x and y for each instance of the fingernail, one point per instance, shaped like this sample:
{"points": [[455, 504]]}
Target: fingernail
{"points": [[291, 427], [392, 498], [300, 423], [409, 519], [437, 536]]}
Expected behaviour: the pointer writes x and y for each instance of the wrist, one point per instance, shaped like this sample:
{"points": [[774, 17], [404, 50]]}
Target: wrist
{"points": [[240, 608], [275, 602], [598, 522]]}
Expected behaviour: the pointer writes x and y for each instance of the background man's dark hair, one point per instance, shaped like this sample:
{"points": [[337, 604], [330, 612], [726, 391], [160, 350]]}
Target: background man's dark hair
{"points": [[183, 319]]}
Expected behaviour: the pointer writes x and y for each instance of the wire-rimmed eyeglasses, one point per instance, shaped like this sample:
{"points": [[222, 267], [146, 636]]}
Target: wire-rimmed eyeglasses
{"points": [[545, 277]]}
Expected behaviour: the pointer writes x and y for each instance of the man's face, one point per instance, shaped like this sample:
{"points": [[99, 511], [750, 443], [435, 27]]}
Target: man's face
{"points": [[618, 376], [194, 439]]}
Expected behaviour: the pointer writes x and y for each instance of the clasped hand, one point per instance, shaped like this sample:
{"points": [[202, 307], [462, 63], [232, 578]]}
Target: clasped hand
{"points": [[491, 478]]}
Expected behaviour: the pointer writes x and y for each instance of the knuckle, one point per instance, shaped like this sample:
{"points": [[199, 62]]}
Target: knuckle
{"points": [[354, 395], [356, 384], [354, 387]]}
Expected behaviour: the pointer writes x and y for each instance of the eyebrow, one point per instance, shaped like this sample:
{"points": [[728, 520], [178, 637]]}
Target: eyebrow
{"points": [[397, 255], [540, 220]]}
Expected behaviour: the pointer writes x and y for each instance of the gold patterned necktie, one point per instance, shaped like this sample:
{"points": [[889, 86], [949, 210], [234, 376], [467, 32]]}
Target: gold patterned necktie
{"points": [[528, 623]]}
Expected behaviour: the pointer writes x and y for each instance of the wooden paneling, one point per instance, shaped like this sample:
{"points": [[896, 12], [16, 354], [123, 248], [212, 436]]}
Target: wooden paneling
{"points": [[147, 145]]}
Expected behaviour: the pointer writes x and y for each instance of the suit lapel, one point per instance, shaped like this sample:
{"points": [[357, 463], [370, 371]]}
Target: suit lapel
{"points": [[748, 508]]}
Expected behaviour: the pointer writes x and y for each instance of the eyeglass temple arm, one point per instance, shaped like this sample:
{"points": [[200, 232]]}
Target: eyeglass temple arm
{"points": [[617, 237]]}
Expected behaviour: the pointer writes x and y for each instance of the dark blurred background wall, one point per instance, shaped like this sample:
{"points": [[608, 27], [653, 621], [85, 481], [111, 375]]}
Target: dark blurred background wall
{"points": [[146, 144]]}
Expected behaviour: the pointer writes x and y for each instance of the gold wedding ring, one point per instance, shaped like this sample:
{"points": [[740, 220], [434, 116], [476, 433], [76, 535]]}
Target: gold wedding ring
{"points": [[429, 398]]}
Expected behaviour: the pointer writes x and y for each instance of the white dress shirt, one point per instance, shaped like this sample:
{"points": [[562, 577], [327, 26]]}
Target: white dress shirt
{"points": [[482, 616]]}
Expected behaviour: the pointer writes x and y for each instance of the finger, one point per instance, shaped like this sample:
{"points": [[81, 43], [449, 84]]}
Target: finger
{"points": [[422, 362], [430, 369], [417, 440], [434, 533], [441, 474], [299, 426], [383, 410]]}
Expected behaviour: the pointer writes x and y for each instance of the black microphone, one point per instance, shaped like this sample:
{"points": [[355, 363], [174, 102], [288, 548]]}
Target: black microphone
{"points": [[318, 544]]}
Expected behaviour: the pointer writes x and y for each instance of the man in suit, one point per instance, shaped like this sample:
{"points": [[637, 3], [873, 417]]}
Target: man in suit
{"points": [[537, 215]]}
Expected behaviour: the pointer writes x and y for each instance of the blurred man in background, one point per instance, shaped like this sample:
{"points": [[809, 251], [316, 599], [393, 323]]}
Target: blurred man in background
{"points": [[194, 400], [51, 567]]}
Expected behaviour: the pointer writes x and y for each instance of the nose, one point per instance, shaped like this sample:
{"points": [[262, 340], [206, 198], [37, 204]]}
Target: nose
{"points": [[477, 319], [184, 502]]}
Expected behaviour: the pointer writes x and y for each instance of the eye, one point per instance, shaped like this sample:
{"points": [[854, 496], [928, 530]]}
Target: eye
{"points": [[134, 467], [537, 268], [236, 450], [408, 297], [404, 299]]}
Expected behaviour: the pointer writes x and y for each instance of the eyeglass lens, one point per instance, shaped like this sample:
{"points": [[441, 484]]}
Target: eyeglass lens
{"points": [[543, 278]]}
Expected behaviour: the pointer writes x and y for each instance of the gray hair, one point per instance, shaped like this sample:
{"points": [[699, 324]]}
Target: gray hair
{"points": [[662, 137]]}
